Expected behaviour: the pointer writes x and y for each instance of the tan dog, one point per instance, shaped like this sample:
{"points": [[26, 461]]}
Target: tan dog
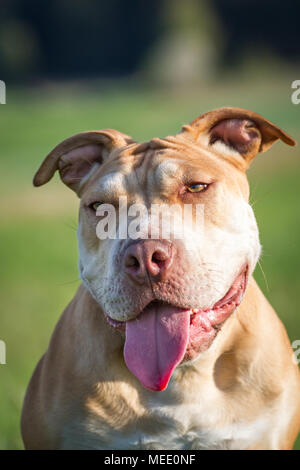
{"points": [[168, 343]]}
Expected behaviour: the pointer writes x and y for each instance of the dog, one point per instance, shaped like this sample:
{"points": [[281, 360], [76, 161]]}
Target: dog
{"points": [[169, 342]]}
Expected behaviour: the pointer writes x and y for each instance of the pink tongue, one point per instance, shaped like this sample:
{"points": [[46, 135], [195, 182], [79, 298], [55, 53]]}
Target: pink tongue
{"points": [[155, 344]]}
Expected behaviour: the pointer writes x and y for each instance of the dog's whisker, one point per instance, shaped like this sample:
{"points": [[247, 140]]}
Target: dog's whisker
{"points": [[264, 275]]}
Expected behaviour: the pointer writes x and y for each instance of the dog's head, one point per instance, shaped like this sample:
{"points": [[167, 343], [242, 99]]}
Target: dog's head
{"points": [[170, 289]]}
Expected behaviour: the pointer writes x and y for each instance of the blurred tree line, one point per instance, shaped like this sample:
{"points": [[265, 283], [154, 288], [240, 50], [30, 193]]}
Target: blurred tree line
{"points": [[75, 38], [116, 38], [272, 25]]}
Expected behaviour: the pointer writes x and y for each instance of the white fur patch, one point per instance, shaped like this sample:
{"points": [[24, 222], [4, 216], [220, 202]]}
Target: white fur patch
{"points": [[112, 184], [166, 169], [221, 147], [186, 422]]}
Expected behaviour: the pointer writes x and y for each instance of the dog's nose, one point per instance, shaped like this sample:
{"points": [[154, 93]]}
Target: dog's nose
{"points": [[149, 259]]}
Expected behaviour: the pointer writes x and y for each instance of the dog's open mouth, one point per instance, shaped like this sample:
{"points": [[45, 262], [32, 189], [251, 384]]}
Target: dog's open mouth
{"points": [[163, 336]]}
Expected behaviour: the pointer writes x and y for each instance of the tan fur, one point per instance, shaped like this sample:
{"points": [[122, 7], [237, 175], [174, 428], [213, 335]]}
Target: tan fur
{"points": [[241, 393]]}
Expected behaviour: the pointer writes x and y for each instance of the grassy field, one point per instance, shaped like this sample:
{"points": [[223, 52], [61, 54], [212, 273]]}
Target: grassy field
{"points": [[38, 243]]}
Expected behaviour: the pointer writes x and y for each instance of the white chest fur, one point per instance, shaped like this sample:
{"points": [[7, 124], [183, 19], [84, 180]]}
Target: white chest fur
{"points": [[197, 426], [197, 421]]}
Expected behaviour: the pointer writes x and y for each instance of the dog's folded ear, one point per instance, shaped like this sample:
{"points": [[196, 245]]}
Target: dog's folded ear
{"points": [[239, 130], [76, 156]]}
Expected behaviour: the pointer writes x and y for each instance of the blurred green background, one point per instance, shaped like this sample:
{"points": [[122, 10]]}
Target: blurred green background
{"points": [[182, 71]]}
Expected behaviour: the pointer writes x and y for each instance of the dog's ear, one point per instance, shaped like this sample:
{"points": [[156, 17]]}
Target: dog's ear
{"points": [[77, 155], [238, 129]]}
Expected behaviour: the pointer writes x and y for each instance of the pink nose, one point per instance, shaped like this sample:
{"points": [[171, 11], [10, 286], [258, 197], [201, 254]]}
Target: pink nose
{"points": [[149, 259]]}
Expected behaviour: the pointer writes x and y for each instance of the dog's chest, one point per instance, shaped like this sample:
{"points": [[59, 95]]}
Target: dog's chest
{"points": [[170, 425], [190, 426]]}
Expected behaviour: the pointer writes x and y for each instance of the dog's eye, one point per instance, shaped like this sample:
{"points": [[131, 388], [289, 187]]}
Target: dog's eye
{"points": [[94, 206], [197, 187]]}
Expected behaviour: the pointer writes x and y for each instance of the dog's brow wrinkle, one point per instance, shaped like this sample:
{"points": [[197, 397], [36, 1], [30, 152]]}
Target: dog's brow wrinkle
{"points": [[140, 161], [140, 148], [146, 179], [140, 167], [158, 143]]}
